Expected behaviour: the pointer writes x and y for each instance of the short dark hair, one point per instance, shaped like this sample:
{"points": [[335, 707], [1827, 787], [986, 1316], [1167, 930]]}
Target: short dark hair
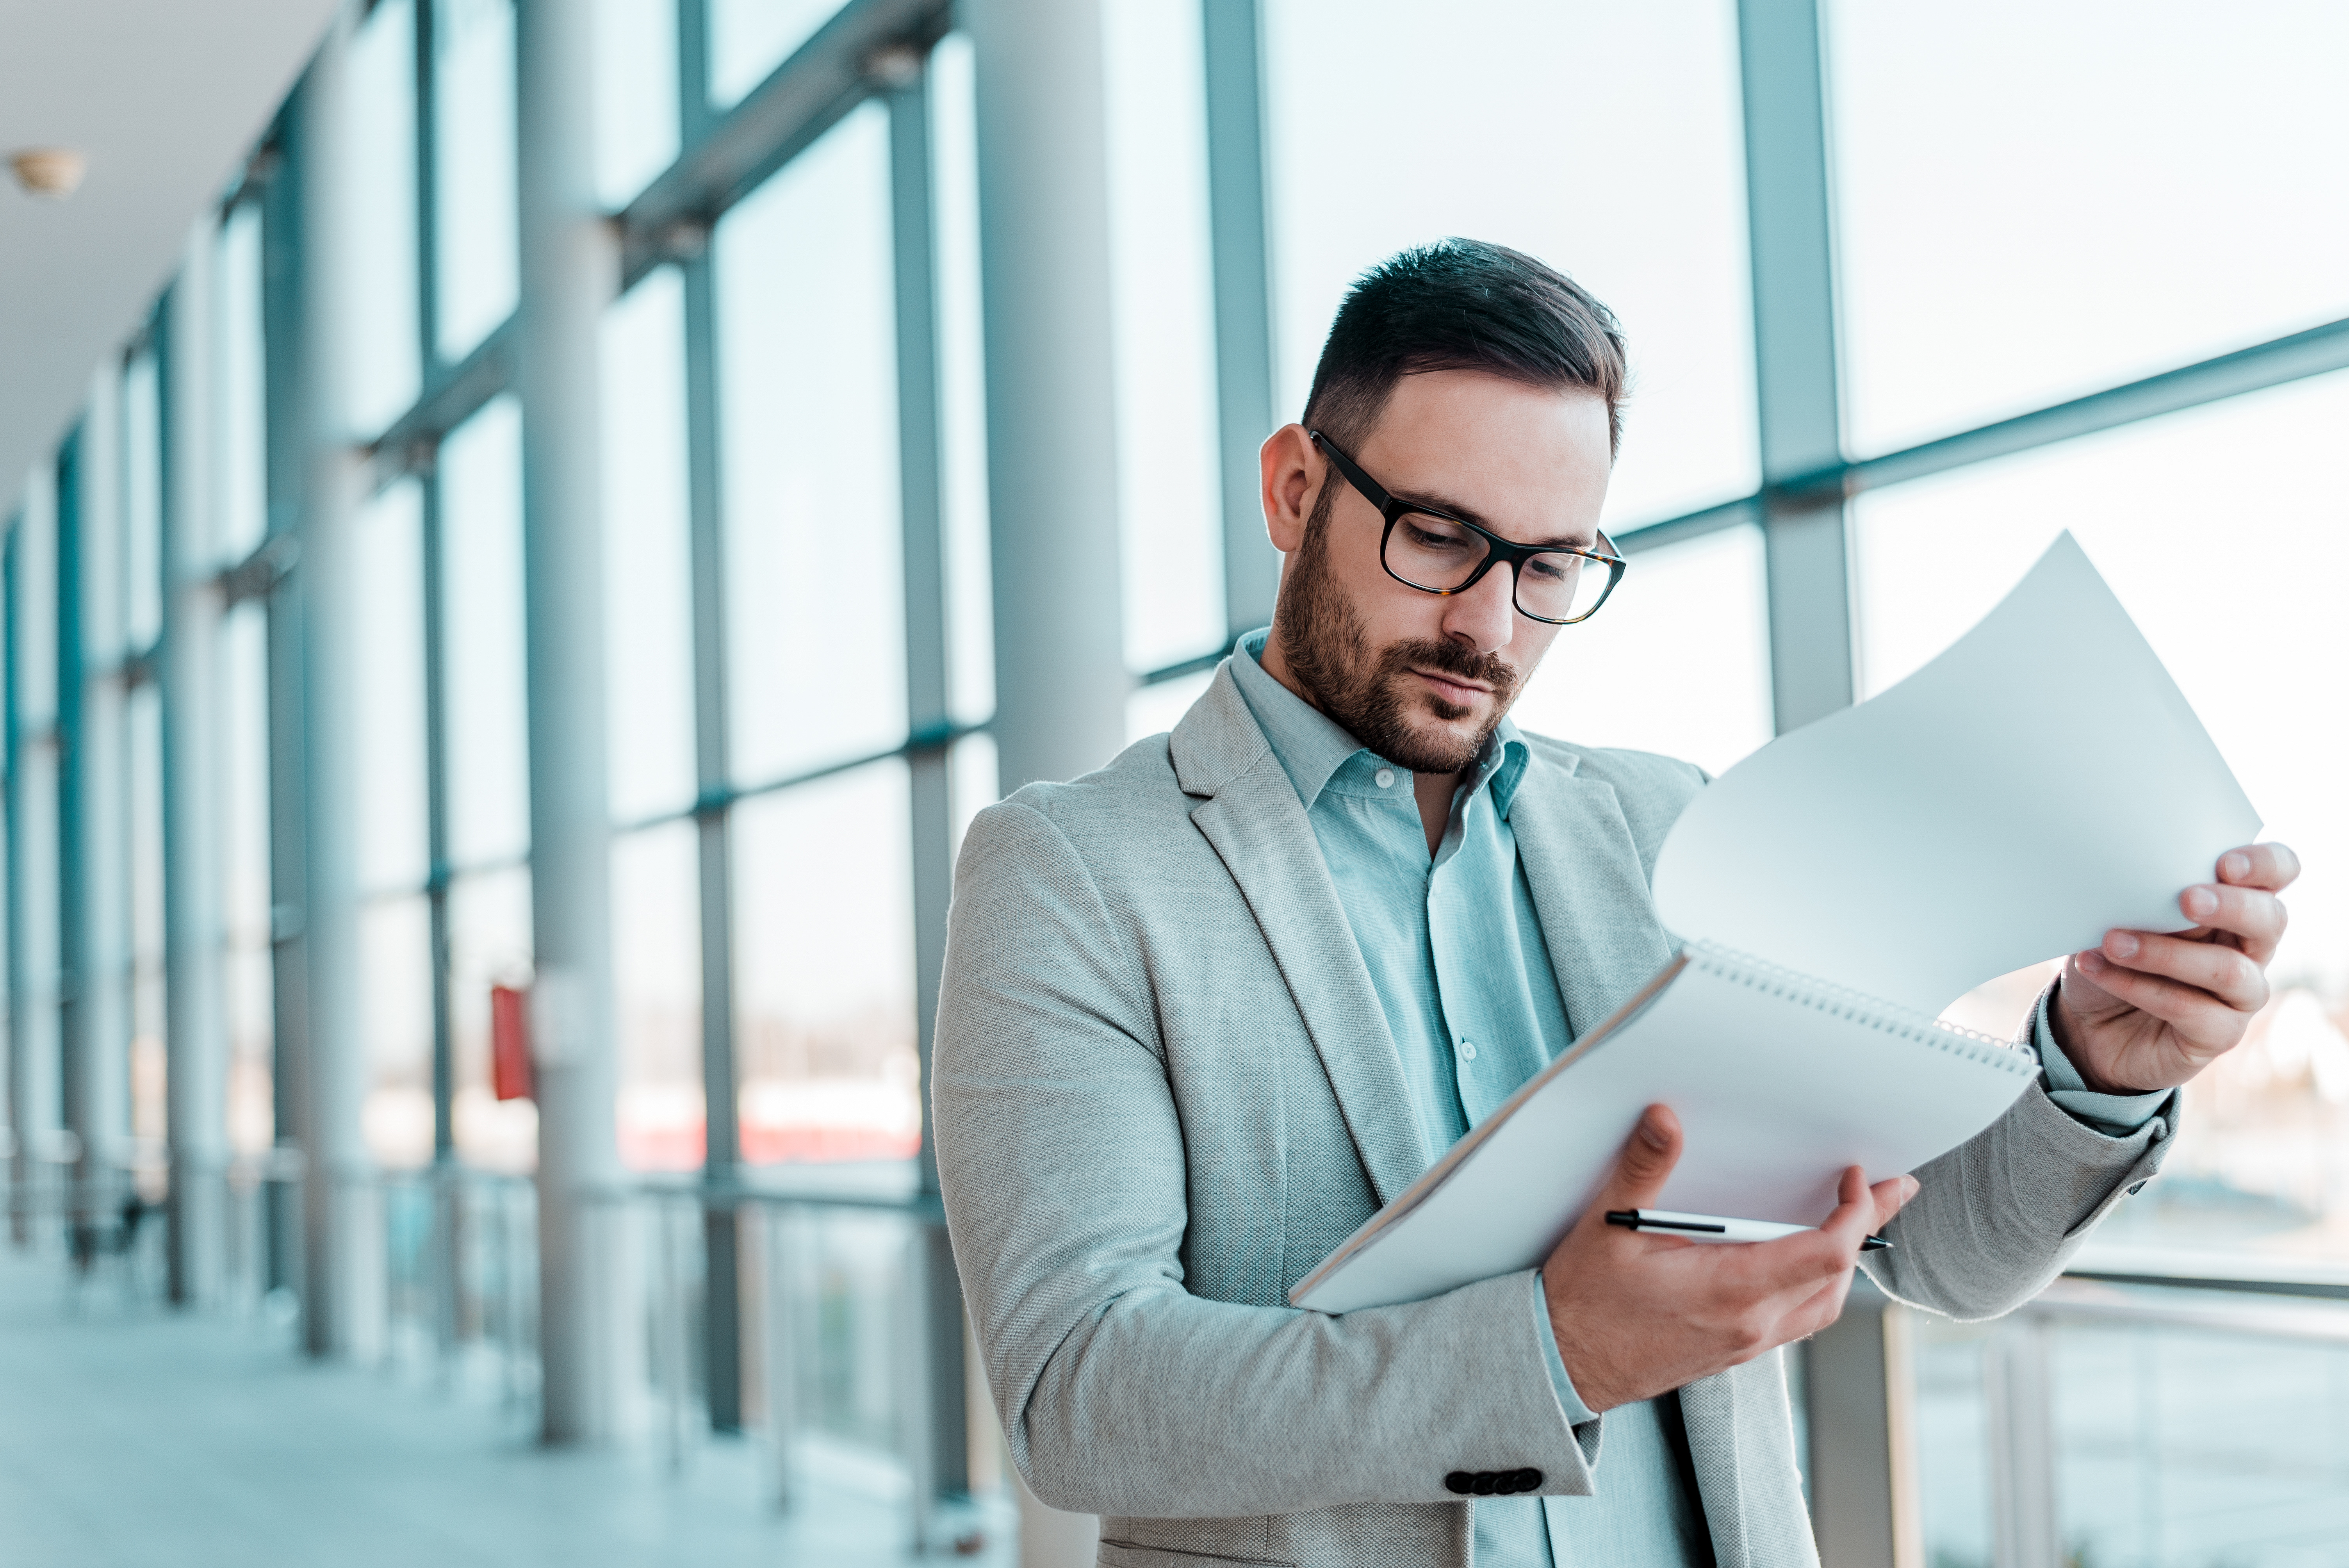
{"points": [[1462, 304]]}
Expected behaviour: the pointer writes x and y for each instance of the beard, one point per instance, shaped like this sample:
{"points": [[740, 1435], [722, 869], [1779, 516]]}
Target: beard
{"points": [[1371, 693]]}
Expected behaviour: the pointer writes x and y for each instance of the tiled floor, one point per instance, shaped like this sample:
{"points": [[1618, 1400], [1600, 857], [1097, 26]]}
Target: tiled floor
{"points": [[130, 1438]]}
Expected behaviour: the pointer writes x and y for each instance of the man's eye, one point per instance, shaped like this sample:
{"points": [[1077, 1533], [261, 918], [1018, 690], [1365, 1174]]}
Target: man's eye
{"points": [[1436, 537], [1553, 568]]}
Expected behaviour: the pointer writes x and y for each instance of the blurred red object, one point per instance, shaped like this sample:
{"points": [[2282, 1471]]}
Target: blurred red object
{"points": [[510, 1042]]}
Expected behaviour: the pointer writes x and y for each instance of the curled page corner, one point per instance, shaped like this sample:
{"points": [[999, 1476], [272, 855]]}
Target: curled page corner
{"points": [[2040, 782]]}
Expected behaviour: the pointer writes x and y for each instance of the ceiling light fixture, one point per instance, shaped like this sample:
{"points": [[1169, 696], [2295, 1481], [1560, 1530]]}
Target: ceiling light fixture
{"points": [[52, 171]]}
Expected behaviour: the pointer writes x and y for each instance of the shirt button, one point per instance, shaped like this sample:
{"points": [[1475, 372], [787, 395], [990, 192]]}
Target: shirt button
{"points": [[1467, 1050], [1383, 778]]}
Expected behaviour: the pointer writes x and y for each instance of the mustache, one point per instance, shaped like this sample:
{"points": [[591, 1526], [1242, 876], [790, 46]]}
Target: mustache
{"points": [[1452, 659]]}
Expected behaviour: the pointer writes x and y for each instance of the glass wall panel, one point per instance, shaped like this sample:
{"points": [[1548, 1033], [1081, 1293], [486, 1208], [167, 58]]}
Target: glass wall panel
{"points": [[656, 987], [1677, 662], [749, 39], [479, 267], [1170, 489], [2225, 531], [823, 967], [144, 722], [244, 874], [647, 553], [1603, 139], [486, 715], [239, 415], [142, 502], [962, 385], [815, 600], [2037, 200], [635, 95], [386, 614], [488, 944], [395, 989], [386, 353]]}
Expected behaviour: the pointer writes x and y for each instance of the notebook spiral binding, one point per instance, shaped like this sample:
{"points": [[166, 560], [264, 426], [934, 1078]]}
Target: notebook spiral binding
{"points": [[1843, 1001]]}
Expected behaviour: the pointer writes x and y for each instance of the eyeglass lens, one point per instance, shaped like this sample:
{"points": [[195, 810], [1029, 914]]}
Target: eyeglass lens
{"points": [[1436, 554]]}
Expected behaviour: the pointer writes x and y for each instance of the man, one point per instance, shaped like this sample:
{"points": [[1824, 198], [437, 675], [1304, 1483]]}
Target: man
{"points": [[1206, 1009]]}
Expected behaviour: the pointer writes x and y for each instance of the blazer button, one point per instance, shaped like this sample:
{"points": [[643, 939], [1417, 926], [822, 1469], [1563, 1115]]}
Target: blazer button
{"points": [[1460, 1481], [1529, 1481], [1487, 1482]]}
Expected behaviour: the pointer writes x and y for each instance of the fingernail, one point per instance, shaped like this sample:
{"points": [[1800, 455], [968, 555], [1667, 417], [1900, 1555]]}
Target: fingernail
{"points": [[2121, 944], [1651, 1134], [2092, 961], [2234, 865], [1914, 1186], [2201, 901]]}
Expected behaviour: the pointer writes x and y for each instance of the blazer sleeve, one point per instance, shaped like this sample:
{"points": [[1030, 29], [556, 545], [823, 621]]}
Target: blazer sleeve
{"points": [[1060, 1157], [1996, 1218]]}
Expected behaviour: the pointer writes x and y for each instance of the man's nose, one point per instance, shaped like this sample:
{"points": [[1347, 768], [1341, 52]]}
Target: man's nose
{"points": [[1486, 616]]}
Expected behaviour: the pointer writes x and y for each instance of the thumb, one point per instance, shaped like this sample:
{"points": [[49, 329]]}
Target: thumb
{"points": [[1647, 1158]]}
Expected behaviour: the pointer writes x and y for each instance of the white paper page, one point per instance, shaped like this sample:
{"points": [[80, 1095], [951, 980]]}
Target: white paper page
{"points": [[1776, 1097], [2038, 783]]}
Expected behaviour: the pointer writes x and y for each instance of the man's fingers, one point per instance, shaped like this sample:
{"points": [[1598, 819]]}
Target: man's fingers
{"points": [[2231, 975], [2254, 917], [1890, 1197], [1647, 1158], [2195, 1013], [2270, 866]]}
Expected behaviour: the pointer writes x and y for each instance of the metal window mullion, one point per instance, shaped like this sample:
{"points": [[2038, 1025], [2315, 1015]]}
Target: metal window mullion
{"points": [[72, 908], [20, 1124], [1232, 47], [941, 1440]]}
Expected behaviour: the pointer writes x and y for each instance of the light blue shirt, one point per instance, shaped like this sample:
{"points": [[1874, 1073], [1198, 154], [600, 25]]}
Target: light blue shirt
{"points": [[1463, 976]]}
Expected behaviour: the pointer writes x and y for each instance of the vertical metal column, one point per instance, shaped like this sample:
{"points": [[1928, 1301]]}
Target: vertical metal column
{"points": [[1862, 1458], [1233, 39], [941, 1440], [570, 272], [195, 1031], [1794, 360], [721, 1224], [1051, 427], [74, 1043], [343, 1296], [11, 795]]}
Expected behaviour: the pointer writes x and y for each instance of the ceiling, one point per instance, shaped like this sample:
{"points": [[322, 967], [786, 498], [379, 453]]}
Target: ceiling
{"points": [[165, 98]]}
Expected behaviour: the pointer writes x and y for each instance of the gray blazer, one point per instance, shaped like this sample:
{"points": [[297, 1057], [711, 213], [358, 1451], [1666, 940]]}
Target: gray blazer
{"points": [[1164, 1090]]}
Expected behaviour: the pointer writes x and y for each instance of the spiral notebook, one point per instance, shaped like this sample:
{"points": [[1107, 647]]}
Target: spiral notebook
{"points": [[2040, 782]]}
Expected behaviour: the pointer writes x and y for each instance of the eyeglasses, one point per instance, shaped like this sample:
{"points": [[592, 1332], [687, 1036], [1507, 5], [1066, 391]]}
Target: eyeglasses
{"points": [[1436, 553]]}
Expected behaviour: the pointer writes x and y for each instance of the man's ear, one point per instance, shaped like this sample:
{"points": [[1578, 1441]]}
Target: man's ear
{"points": [[1293, 472]]}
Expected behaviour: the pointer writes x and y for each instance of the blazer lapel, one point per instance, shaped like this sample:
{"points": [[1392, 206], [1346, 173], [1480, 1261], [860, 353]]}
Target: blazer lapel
{"points": [[1255, 823], [1588, 891]]}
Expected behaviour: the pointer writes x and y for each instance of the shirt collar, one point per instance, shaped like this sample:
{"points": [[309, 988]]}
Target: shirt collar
{"points": [[1311, 747]]}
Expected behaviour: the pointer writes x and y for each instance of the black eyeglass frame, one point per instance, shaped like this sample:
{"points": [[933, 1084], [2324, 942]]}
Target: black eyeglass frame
{"points": [[1497, 549]]}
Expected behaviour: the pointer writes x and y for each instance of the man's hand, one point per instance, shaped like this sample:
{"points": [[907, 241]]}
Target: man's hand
{"points": [[1637, 1314], [2142, 1012]]}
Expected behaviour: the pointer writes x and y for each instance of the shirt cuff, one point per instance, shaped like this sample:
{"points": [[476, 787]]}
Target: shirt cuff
{"points": [[1577, 1412], [2114, 1115]]}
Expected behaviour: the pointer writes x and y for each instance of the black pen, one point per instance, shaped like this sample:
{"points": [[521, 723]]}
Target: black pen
{"points": [[1714, 1228]]}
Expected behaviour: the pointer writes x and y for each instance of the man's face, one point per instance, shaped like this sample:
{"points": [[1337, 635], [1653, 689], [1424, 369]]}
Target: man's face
{"points": [[1423, 678]]}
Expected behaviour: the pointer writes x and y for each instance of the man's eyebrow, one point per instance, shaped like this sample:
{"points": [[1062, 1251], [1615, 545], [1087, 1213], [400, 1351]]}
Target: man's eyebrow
{"points": [[1426, 500]]}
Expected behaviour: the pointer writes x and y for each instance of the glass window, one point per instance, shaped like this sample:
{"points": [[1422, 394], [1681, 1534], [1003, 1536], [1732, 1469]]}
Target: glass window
{"points": [[823, 967], [142, 502], [1162, 285], [479, 267], [2254, 493], [1677, 662], [488, 944], [386, 353], [647, 553], [1158, 708], [388, 647], [144, 717], [1603, 139], [244, 874], [240, 417], [749, 39], [2035, 201], [815, 612], [962, 385], [635, 95], [396, 988], [657, 990], [486, 719]]}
